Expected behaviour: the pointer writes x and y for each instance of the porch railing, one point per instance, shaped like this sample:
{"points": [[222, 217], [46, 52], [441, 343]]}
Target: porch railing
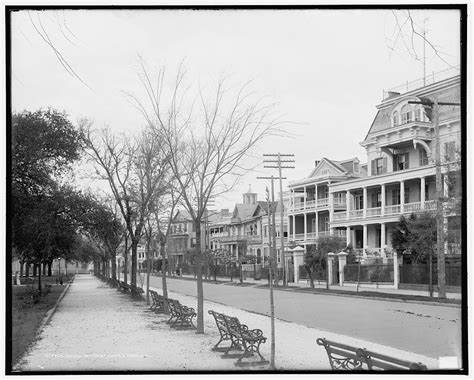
{"points": [[394, 209], [356, 214], [374, 211], [412, 207], [339, 216]]}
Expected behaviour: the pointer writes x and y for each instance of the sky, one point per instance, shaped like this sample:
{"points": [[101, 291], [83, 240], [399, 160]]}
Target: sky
{"points": [[325, 70]]}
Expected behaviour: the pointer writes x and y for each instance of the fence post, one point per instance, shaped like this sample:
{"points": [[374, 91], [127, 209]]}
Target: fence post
{"points": [[330, 264], [342, 256], [395, 269]]}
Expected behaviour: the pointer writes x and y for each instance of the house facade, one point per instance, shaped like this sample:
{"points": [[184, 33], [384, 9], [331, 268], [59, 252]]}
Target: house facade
{"points": [[363, 203]]}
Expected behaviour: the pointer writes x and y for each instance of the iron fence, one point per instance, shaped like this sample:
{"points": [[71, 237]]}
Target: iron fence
{"points": [[420, 274], [368, 273]]}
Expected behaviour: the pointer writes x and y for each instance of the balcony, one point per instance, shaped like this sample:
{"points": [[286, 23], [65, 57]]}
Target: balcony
{"points": [[311, 204], [340, 202], [374, 211], [339, 216], [356, 214], [394, 209]]}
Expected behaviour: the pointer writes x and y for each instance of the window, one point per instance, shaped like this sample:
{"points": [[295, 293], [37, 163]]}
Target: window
{"points": [[359, 202], [326, 192], [418, 113], [395, 196], [379, 166], [423, 157], [400, 162], [407, 114], [324, 171], [407, 195], [356, 167], [395, 119], [377, 199]]}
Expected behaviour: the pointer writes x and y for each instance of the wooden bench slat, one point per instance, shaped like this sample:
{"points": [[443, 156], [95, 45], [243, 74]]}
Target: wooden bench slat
{"points": [[353, 358]]}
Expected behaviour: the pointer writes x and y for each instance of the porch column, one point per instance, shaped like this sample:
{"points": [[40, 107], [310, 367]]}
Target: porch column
{"points": [[317, 223], [364, 201], [294, 228], [292, 199], [422, 192], [305, 225], [382, 211], [304, 197], [348, 235], [316, 194], [402, 197], [331, 206], [364, 240], [382, 239], [348, 203]]}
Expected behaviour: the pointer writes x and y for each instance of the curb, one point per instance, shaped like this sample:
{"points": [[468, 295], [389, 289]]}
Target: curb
{"points": [[355, 295], [51, 311]]}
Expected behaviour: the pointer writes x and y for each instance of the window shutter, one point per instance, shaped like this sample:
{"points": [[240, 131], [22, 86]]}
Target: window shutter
{"points": [[407, 166], [407, 195], [373, 167], [384, 164]]}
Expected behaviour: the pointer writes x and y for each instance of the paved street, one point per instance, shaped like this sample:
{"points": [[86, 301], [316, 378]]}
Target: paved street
{"points": [[98, 328], [429, 330]]}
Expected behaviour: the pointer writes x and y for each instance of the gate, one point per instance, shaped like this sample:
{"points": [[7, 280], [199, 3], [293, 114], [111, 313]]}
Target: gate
{"points": [[291, 272]]}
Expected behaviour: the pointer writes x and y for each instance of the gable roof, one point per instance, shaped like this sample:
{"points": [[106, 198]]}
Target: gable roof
{"points": [[326, 161]]}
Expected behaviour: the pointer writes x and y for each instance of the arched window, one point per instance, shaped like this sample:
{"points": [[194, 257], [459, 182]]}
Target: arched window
{"points": [[418, 116], [395, 119], [407, 114]]}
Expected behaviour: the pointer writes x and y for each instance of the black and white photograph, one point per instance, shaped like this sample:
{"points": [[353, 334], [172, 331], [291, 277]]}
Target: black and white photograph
{"points": [[236, 189]]}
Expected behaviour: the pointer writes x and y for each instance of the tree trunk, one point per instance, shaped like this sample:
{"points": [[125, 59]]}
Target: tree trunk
{"points": [[147, 255], [125, 269], [50, 272], [114, 266], [27, 269], [311, 279], [133, 280], [163, 271], [34, 270], [22, 263], [200, 293], [39, 279]]}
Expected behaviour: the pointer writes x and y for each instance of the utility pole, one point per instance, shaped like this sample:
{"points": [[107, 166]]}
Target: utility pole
{"points": [[431, 109], [278, 161], [271, 245]]}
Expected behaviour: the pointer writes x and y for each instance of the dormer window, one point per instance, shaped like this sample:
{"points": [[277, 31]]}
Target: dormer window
{"points": [[395, 119], [356, 167], [417, 113], [407, 114]]}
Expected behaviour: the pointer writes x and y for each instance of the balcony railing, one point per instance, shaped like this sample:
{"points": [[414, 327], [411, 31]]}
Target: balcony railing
{"points": [[323, 202], [394, 209], [338, 202], [339, 216], [430, 205], [373, 211], [310, 204], [340, 233], [311, 235], [412, 207], [356, 214]]}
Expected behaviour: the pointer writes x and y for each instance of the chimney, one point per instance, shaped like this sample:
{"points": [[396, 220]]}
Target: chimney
{"points": [[316, 162], [392, 94], [225, 211]]}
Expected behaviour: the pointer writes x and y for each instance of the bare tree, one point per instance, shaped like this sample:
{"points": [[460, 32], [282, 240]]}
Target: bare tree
{"points": [[134, 171], [409, 34], [206, 145]]}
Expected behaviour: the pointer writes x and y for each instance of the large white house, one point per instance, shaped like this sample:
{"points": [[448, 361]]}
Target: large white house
{"points": [[363, 202]]}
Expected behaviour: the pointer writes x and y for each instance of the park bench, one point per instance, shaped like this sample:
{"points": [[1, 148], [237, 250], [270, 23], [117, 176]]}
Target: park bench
{"points": [[136, 291], [343, 357], [181, 315], [157, 302], [124, 287], [241, 337]]}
